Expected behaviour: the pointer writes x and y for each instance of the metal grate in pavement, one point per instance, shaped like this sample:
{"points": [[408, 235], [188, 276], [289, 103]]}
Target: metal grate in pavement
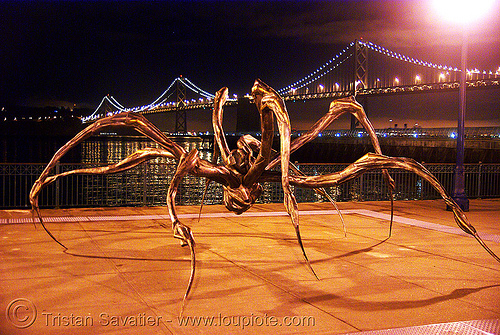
{"points": [[364, 212], [475, 327]]}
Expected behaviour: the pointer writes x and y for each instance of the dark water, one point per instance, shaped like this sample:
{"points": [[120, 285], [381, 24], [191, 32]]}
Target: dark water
{"points": [[39, 148]]}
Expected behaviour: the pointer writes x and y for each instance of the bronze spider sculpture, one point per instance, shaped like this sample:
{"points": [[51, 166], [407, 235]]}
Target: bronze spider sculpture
{"points": [[244, 169]]}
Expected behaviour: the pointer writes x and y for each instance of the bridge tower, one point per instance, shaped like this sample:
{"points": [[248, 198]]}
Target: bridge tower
{"points": [[106, 107], [360, 80], [180, 113], [360, 66]]}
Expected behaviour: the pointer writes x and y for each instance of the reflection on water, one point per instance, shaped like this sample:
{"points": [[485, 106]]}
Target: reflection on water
{"points": [[147, 183], [107, 150]]}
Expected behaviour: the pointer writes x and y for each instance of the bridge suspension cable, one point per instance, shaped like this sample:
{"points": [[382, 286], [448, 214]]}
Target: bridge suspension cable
{"points": [[319, 72], [164, 97], [348, 72], [158, 102], [196, 89]]}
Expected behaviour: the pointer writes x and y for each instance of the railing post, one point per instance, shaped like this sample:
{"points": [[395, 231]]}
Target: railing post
{"points": [[421, 184], [294, 189], [58, 186], [144, 183], [480, 165], [361, 197]]}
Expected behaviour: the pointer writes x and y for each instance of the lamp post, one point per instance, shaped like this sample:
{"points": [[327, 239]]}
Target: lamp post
{"points": [[459, 174], [462, 12]]}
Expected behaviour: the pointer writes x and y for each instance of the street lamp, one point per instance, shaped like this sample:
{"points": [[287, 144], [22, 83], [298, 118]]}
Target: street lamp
{"points": [[464, 13]]}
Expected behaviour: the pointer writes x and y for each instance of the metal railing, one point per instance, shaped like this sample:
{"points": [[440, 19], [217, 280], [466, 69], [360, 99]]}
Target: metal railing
{"points": [[147, 185], [477, 133]]}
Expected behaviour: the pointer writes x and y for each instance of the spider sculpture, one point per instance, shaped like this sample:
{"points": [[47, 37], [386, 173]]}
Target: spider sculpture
{"points": [[244, 169]]}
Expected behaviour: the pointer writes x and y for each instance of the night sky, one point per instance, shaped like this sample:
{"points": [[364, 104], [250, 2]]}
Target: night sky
{"points": [[75, 52]]}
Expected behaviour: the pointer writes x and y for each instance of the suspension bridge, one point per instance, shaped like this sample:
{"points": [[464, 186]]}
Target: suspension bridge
{"points": [[362, 68]]}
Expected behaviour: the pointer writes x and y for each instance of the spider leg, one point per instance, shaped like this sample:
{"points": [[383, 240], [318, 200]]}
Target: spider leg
{"points": [[322, 191], [215, 157], [128, 119], [372, 161], [254, 144], [131, 161], [207, 183], [187, 163], [263, 101], [221, 148], [268, 101], [220, 139], [337, 108]]}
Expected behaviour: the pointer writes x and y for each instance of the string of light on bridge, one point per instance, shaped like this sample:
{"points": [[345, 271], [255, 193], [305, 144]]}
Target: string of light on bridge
{"points": [[321, 72], [290, 90], [305, 81], [159, 102], [399, 56]]}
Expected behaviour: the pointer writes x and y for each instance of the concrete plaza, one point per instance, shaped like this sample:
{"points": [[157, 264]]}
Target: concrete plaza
{"points": [[125, 274]]}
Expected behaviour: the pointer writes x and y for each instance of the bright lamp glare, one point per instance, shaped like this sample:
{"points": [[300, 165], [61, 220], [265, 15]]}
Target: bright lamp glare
{"points": [[463, 11]]}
